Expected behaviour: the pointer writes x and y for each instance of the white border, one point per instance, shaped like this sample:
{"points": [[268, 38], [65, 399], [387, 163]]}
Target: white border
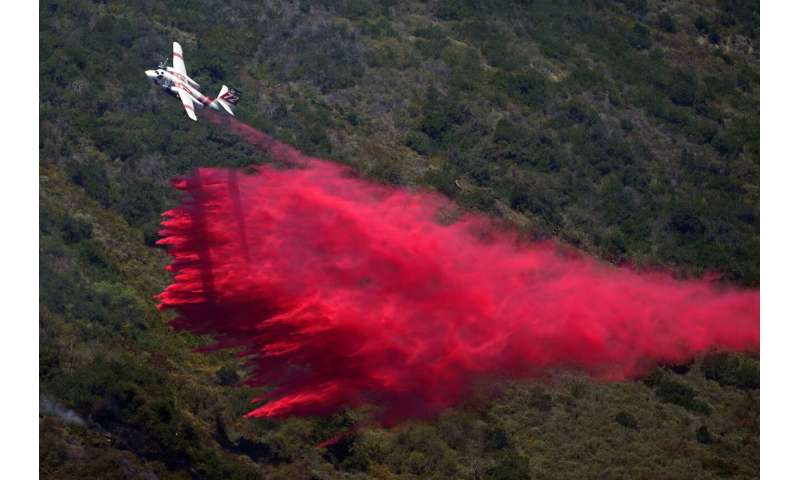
{"points": [[780, 84], [780, 183], [19, 285]]}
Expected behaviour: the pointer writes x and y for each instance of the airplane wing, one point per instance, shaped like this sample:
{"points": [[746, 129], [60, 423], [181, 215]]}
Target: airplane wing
{"points": [[177, 59], [188, 104]]}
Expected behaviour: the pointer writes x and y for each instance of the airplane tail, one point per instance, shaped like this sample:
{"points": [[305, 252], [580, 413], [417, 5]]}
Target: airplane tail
{"points": [[227, 98]]}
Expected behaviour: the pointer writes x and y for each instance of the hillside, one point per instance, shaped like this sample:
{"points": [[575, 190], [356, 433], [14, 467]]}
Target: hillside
{"points": [[628, 129]]}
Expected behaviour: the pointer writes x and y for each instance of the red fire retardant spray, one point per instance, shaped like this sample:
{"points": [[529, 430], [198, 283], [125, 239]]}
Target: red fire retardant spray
{"points": [[341, 292]]}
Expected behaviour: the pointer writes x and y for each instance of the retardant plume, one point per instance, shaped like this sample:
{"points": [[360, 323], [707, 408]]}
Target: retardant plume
{"points": [[342, 292]]}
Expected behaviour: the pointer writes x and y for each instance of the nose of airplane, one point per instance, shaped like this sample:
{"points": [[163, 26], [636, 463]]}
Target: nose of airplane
{"points": [[151, 74]]}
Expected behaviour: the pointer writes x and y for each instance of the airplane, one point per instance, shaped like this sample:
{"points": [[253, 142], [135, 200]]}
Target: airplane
{"points": [[175, 80]]}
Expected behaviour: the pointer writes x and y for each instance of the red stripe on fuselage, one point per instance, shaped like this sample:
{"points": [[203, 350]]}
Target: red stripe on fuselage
{"points": [[203, 98], [177, 55]]}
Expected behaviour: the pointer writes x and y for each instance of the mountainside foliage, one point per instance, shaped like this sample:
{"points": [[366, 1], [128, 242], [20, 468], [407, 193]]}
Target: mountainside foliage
{"points": [[628, 129]]}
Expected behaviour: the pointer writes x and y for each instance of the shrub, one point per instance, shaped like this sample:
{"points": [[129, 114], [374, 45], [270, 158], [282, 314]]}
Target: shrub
{"points": [[435, 124], [706, 27], [687, 223], [117, 304], [112, 30], [637, 7], [442, 181], [639, 37], [75, 229], [117, 143], [732, 370], [626, 420], [442, 116], [508, 132], [744, 11], [703, 435], [746, 77], [671, 390], [499, 55], [418, 141], [683, 89], [227, 375], [453, 9], [529, 87], [666, 23], [511, 466], [540, 399], [466, 72], [92, 177], [431, 42], [702, 25], [497, 438], [140, 201]]}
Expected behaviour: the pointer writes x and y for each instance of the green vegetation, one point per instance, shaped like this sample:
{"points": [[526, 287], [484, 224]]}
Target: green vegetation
{"points": [[672, 390], [727, 369], [629, 129]]}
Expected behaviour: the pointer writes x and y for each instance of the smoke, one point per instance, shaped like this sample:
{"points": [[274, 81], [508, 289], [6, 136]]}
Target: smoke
{"points": [[50, 407], [342, 293]]}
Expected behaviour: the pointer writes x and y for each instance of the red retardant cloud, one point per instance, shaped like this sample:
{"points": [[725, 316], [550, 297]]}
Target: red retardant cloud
{"points": [[342, 293]]}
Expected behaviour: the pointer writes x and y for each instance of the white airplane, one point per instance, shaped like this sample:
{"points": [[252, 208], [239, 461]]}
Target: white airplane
{"points": [[175, 80]]}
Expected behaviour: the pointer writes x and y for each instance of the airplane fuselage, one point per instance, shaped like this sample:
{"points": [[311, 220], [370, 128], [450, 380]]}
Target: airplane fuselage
{"points": [[172, 81], [176, 81]]}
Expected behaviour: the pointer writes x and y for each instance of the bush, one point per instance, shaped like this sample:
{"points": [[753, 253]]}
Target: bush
{"points": [[741, 134], [140, 201], [683, 89], [453, 9], [705, 27], [732, 370], [442, 116], [115, 31], [702, 25], [227, 375], [639, 37], [626, 420], [511, 466], [540, 399], [418, 141], [331, 57], [686, 223], [746, 78], [75, 229], [92, 177], [529, 88], [579, 112], [117, 143], [466, 72], [666, 23], [704, 436], [435, 124], [497, 439], [672, 390], [117, 304], [700, 130], [637, 7], [431, 42], [509, 133], [498, 54], [743, 11]]}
